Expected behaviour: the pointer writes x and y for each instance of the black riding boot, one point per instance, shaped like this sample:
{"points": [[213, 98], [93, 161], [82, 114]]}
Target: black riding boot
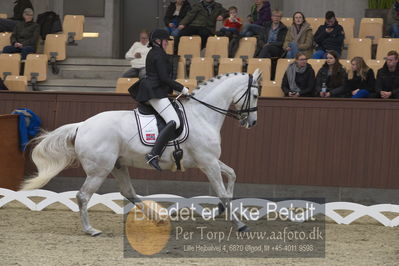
{"points": [[163, 138]]}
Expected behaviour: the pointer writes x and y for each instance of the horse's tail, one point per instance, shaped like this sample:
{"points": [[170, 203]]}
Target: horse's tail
{"points": [[54, 152]]}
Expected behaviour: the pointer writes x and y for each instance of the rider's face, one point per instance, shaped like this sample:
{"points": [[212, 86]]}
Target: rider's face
{"points": [[165, 44]]}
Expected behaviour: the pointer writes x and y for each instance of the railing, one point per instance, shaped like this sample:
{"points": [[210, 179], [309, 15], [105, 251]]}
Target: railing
{"points": [[312, 141]]}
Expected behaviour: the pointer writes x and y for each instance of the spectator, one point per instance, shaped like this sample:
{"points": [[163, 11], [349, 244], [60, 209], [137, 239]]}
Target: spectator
{"points": [[25, 36], [273, 36], [393, 20], [8, 25], [174, 14], [330, 80], [201, 20], [231, 28], [361, 80], [388, 77], [329, 36], [137, 55], [232, 25], [299, 37], [260, 15], [299, 79]]}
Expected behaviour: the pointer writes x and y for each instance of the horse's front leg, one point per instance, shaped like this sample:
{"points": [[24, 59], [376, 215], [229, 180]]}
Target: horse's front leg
{"points": [[231, 177], [213, 171]]}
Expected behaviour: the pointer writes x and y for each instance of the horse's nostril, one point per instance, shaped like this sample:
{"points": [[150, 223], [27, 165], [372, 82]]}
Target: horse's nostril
{"points": [[253, 123]]}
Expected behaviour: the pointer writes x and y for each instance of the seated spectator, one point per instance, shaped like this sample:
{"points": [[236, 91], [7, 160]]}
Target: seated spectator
{"points": [[260, 15], [201, 20], [361, 80], [330, 80], [299, 37], [393, 20], [174, 14], [388, 77], [273, 37], [329, 36], [231, 28], [299, 79], [25, 36], [137, 55], [232, 25], [8, 25]]}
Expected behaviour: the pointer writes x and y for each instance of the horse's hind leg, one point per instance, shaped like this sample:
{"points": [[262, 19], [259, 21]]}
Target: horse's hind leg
{"points": [[97, 171], [122, 177]]}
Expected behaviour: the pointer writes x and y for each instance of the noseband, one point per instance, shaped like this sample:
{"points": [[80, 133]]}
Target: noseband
{"points": [[246, 108]]}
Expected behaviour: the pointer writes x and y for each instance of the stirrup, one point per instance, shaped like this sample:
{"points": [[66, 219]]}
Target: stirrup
{"points": [[153, 161], [149, 157]]}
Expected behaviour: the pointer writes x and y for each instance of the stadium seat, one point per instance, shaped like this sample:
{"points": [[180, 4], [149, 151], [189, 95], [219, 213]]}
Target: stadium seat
{"points": [[246, 48], [349, 25], [271, 89], [123, 84], [315, 23], [316, 64], [5, 39], [191, 84], [264, 65], [287, 21], [2, 15], [346, 63], [359, 47], [385, 45], [282, 65], [371, 28], [217, 46], [16, 83], [55, 49], [10, 64], [181, 72], [375, 65], [73, 27], [55, 46], [230, 65], [190, 46], [169, 49], [201, 68], [36, 68]]}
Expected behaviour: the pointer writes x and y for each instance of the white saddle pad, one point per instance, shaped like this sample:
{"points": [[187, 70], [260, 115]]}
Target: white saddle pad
{"points": [[148, 128]]}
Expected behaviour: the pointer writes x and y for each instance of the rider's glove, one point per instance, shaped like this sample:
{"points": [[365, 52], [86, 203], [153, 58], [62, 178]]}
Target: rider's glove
{"points": [[185, 91]]}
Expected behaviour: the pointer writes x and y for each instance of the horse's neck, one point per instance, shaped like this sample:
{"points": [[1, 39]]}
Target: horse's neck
{"points": [[220, 96]]}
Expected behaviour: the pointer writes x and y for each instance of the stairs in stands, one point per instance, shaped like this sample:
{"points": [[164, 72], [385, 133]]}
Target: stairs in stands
{"points": [[86, 75]]}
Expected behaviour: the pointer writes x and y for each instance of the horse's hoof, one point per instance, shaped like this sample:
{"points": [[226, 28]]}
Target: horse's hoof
{"points": [[221, 208], [243, 229], [93, 232], [97, 233]]}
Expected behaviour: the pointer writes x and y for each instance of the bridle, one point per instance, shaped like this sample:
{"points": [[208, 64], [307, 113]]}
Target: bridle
{"points": [[246, 108]]}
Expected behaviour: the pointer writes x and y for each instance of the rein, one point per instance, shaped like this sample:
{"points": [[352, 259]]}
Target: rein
{"points": [[236, 114]]}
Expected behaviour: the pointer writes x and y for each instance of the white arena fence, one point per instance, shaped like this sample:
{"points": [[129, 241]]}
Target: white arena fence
{"points": [[108, 200]]}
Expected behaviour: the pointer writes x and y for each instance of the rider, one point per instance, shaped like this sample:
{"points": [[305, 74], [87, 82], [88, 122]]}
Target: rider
{"points": [[154, 89]]}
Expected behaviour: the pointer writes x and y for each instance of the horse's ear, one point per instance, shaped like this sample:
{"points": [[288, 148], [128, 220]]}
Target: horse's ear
{"points": [[257, 74]]}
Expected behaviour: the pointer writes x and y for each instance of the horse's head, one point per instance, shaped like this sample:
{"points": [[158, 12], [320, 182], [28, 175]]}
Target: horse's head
{"points": [[246, 101]]}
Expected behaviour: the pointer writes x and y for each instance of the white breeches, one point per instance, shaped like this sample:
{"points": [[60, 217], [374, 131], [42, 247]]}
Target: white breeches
{"points": [[165, 109]]}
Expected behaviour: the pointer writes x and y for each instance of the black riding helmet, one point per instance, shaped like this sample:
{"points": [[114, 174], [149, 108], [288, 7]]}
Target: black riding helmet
{"points": [[159, 34]]}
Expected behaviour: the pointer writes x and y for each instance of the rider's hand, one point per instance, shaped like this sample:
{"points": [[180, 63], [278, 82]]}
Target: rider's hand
{"points": [[185, 91]]}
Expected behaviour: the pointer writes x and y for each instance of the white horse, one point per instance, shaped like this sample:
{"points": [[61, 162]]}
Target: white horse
{"points": [[103, 144]]}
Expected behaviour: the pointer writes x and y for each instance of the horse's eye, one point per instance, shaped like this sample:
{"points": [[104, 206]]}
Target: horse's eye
{"points": [[256, 96]]}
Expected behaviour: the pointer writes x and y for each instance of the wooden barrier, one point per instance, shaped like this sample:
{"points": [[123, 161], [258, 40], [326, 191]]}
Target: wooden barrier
{"points": [[12, 162], [305, 141]]}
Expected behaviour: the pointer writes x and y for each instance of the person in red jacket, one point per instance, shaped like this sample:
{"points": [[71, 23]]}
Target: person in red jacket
{"points": [[232, 25]]}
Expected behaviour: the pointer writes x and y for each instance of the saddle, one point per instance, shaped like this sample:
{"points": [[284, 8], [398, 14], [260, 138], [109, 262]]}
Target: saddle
{"points": [[150, 123]]}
